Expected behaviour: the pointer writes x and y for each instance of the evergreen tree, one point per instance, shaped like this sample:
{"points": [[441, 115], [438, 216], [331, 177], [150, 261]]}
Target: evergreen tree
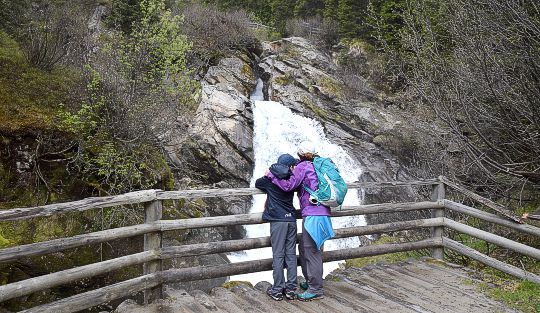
{"points": [[350, 16], [308, 8], [386, 19], [283, 10], [330, 9]]}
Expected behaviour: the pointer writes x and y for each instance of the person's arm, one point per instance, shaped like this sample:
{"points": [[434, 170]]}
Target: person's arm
{"points": [[261, 184], [292, 182]]}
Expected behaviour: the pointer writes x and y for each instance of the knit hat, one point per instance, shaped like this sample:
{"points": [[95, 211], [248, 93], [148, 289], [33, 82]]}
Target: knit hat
{"points": [[287, 160], [306, 147]]}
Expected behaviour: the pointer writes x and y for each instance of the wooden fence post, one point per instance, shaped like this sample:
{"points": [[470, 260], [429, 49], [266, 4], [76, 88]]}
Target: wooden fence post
{"points": [[437, 232], [153, 212]]}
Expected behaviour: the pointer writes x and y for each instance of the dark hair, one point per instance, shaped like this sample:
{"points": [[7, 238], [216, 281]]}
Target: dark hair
{"points": [[305, 157]]}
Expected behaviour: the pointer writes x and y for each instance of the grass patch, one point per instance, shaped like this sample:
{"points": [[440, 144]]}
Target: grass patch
{"points": [[30, 98], [234, 283], [385, 258], [517, 294]]}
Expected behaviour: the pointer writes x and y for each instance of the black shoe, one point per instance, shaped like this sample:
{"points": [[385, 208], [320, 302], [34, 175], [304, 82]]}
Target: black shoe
{"points": [[274, 295], [289, 294]]}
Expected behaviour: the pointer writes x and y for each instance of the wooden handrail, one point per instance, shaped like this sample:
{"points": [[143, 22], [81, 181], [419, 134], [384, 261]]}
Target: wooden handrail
{"points": [[143, 196], [492, 238], [488, 217], [490, 204], [78, 206], [489, 261]]}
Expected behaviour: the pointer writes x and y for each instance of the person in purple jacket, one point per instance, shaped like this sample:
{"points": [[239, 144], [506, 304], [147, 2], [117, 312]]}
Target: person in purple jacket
{"points": [[310, 255]]}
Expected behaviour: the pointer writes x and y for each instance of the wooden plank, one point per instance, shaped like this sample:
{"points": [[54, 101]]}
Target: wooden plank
{"points": [[256, 218], [78, 206], [28, 286], [366, 185], [211, 193], [489, 261], [206, 272], [261, 242], [492, 218], [56, 245], [387, 227], [492, 238], [152, 241], [213, 221], [490, 204], [385, 208], [92, 298], [437, 232]]}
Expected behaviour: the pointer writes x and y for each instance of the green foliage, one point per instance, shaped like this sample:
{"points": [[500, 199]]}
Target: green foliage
{"points": [[308, 8], [29, 97], [134, 93], [124, 13], [518, 294], [12, 14], [386, 20], [350, 16]]}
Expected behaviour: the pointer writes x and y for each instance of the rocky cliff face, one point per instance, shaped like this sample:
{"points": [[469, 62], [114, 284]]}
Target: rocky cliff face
{"points": [[218, 145], [217, 151]]}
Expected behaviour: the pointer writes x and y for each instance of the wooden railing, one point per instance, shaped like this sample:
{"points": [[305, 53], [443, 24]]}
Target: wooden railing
{"points": [[154, 276]]}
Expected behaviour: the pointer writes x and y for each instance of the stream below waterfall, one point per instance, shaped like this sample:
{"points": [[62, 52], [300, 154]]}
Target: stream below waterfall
{"points": [[278, 130]]}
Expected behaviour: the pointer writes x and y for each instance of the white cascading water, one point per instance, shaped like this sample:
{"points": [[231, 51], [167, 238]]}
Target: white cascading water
{"points": [[278, 130]]}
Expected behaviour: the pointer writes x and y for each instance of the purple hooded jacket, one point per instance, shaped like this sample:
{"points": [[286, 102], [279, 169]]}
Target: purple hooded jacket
{"points": [[303, 174]]}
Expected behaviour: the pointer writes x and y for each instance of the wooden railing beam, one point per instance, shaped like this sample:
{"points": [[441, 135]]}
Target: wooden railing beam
{"points": [[490, 204], [92, 298], [207, 272], [78, 206], [489, 261], [28, 286], [492, 238], [56, 245], [212, 193], [153, 241], [492, 218], [438, 232]]}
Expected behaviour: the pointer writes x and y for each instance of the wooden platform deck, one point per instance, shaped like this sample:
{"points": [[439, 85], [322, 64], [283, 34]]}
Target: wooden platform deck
{"points": [[408, 287]]}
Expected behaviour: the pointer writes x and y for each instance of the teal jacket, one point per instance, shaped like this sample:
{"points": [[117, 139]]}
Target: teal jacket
{"points": [[319, 228]]}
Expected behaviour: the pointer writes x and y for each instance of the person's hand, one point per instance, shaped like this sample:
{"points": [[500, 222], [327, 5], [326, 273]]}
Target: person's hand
{"points": [[266, 172], [525, 216]]}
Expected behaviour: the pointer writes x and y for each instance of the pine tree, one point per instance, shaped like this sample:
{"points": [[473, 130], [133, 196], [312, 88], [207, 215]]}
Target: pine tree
{"points": [[308, 8], [350, 17]]}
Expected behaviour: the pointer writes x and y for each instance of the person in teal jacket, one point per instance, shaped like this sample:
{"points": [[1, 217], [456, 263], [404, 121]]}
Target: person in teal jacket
{"points": [[316, 223]]}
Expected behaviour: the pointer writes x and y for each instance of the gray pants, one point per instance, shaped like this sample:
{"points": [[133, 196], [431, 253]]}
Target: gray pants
{"points": [[283, 238], [311, 263]]}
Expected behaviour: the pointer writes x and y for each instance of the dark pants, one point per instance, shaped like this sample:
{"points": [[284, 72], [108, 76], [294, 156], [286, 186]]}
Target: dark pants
{"points": [[283, 239], [311, 263]]}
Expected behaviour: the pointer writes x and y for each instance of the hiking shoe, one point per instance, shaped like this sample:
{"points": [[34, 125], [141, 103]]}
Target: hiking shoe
{"points": [[274, 295], [307, 296], [304, 285], [289, 294]]}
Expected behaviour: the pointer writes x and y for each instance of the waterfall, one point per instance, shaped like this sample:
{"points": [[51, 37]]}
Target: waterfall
{"points": [[278, 130]]}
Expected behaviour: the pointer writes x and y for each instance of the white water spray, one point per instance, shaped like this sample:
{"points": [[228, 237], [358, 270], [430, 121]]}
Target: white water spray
{"points": [[277, 130]]}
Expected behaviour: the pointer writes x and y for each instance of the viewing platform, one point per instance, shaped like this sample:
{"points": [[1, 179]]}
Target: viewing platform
{"points": [[422, 286]]}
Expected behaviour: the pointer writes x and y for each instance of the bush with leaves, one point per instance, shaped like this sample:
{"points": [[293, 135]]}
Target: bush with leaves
{"points": [[138, 87], [215, 33]]}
